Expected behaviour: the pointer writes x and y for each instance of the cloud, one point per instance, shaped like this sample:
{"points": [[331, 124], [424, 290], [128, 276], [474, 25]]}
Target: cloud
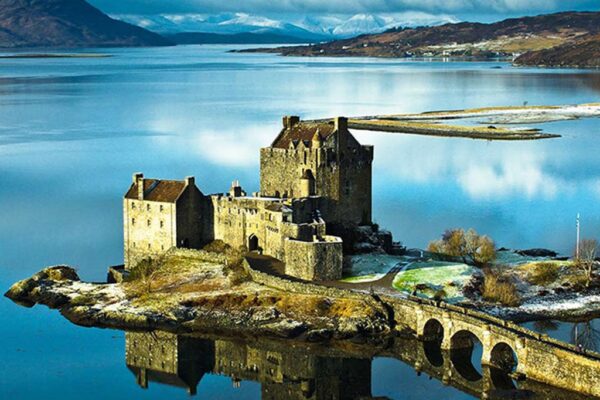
{"points": [[523, 175], [227, 148], [345, 7], [496, 170]]}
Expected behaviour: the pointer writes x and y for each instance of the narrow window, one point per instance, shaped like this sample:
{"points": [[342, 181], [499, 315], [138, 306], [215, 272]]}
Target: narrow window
{"points": [[132, 221], [148, 207], [149, 246], [149, 222], [162, 224], [161, 208], [132, 205]]}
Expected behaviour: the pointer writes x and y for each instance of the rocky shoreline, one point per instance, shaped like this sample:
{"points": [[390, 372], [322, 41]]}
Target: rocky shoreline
{"points": [[201, 295], [248, 309]]}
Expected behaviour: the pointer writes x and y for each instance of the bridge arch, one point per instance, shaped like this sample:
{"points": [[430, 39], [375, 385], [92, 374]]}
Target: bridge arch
{"points": [[433, 330], [433, 336], [504, 358], [465, 346]]}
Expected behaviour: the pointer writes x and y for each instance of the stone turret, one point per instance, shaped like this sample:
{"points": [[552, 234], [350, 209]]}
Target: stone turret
{"points": [[307, 184]]}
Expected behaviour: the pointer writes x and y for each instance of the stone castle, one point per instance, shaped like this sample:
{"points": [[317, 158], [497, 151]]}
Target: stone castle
{"points": [[315, 185]]}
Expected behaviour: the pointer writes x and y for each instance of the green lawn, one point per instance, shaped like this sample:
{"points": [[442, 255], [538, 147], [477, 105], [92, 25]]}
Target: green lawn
{"points": [[437, 276]]}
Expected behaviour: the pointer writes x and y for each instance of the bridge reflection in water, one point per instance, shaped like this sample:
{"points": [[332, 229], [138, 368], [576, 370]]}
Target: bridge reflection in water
{"points": [[295, 370]]}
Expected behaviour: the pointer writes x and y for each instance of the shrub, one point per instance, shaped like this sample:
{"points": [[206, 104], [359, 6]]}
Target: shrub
{"points": [[440, 295], [543, 273], [458, 243], [143, 270], [499, 289]]}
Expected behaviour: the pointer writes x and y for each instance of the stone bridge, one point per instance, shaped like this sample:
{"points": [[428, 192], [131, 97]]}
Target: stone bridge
{"points": [[455, 330], [506, 346]]}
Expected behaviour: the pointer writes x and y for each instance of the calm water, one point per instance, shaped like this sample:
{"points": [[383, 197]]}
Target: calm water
{"points": [[74, 130]]}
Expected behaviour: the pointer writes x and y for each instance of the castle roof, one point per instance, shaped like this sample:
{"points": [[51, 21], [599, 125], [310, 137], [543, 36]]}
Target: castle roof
{"points": [[305, 132], [164, 191]]}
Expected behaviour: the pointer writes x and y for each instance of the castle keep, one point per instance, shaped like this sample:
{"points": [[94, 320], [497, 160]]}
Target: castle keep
{"points": [[315, 181]]}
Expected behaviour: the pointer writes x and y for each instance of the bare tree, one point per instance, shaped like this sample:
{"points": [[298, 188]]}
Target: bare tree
{"points": [[586, 262], [480, 249]]}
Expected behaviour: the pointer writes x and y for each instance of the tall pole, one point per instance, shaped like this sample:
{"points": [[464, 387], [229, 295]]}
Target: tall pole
{"points": [[578, 235]]}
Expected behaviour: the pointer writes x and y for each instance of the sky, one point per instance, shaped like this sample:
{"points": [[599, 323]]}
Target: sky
{"points": [[466, 10]]}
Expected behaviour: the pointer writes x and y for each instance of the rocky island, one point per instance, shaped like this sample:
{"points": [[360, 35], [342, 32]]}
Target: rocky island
{"points": [[272, 264]]}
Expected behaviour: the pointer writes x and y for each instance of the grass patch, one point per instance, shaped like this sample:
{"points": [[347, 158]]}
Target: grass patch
{"points": [[542, 273], [177, 271], [434, 279], [498, 288], [294, 305]]}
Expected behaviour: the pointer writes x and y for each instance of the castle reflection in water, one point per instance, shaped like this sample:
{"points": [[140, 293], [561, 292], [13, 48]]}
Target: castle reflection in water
{"points": [[294, 370], [283, 372]]}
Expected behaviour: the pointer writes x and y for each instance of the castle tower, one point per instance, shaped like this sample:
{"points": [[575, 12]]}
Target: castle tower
{"points": [[320, 159]]}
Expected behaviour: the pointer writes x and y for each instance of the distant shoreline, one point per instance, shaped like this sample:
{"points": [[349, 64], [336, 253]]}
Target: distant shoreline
{"points": [[50, 55]]}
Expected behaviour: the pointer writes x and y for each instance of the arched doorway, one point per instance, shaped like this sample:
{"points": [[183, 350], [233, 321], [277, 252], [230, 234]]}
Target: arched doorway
{"points": [[253, 243], [466, 352]]}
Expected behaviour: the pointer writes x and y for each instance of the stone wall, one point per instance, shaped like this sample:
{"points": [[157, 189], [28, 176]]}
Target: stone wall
{"points": [[267, 225], [318, 260], [150, 229], [300, 286]]}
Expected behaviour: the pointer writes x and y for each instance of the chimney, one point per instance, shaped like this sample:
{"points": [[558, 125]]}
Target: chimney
{"points": [[137, 176], [290, 121], [236, 189], [138, 179], [341, 124], [190, 180], [341, 128]]}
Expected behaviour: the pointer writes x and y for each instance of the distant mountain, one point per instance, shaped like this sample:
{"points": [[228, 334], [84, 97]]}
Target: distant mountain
{"points": [[67, 23], [236, 38], [261, 28], [508, 38], [309, 29], [582, 53]]}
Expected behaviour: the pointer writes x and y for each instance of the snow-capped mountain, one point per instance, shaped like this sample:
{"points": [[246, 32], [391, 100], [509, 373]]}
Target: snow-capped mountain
{"points": [[224, 24], [360, 24], [325, 27]]}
